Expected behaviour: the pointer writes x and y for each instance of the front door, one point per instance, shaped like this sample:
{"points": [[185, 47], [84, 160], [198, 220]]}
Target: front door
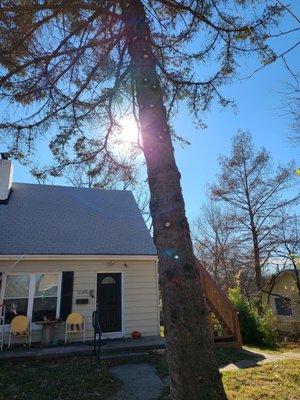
{"points": [[109, 302]]}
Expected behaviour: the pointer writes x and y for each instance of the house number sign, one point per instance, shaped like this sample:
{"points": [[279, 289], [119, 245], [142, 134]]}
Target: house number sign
{"points": [[85, 291], [90, 292]]}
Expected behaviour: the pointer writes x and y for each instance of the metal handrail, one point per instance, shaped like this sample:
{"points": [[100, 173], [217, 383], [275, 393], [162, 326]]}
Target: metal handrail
{"points": [[2, 323], [97, 331]]}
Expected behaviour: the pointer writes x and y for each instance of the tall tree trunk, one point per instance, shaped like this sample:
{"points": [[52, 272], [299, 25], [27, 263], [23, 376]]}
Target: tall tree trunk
{"points": [[257, 265], [256, 252], [193, 369], [297, 278], [256, 249]]}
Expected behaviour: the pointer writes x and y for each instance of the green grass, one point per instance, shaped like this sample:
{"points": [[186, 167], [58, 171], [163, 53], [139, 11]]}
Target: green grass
{"points": [[290, 347], [79, 378], [274, 381], [64, 379], [161, 366]]}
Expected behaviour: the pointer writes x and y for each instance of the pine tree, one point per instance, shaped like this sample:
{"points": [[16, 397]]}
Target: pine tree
{"points": [[75, 66]]}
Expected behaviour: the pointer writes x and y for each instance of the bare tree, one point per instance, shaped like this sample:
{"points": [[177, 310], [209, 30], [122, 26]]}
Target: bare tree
{"points": [[290, 107], [216, 244], [84, 175], [288, 237], [286, 257], [293, 106], [77, 66], [292, 93], [257, 196], [88, 175]]}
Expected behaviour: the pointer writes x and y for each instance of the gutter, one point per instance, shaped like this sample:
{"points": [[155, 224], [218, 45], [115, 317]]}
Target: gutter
{"points": [[124, 257]]}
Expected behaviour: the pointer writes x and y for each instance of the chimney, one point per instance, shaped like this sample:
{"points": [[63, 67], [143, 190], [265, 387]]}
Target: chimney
{"points": [[6, 175]]}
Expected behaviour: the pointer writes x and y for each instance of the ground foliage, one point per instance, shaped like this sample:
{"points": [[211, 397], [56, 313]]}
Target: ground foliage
{"points": [[69, 378], [256, 328], [274, 381]]}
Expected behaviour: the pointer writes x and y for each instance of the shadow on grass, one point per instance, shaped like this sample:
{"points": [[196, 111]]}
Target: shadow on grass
{"points": [[225, 356], [241, 358]]}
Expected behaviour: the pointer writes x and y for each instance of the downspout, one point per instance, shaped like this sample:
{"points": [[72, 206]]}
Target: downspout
{"points": [[157, 295], [7, 272], [15, 263]]}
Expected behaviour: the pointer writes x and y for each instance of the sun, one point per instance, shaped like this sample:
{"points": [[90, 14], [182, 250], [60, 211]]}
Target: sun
{"points": [[128, 135]]}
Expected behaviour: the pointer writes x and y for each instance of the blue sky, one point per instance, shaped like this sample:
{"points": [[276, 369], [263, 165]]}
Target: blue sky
{"points": [[259, 109]]}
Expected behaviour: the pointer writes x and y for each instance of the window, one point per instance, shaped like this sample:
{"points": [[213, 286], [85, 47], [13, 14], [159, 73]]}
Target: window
{"points": [[45, 297], [16, 296], [35, 295], [283, 306], [108, 281]]}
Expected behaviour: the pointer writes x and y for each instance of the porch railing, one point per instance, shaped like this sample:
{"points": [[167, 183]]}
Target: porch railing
{"points": [[2, 323], [220, 306]]}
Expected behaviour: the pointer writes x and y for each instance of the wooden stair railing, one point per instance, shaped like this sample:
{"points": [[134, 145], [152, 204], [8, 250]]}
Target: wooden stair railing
{"points": [[220, 306]]}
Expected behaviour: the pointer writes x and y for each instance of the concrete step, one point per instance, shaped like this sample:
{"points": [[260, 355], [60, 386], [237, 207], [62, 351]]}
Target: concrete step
{"points": [[118, 348], [126, 357], [222, 339], [108, 347], [226, 341], [120, 357]]}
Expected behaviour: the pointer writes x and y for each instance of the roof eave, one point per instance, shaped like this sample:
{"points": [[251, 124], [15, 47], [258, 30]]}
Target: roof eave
{"points": [[120, 257]]}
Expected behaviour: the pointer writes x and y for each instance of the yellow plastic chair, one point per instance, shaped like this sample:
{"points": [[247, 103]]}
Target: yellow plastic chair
{"points": [[19, 328], [75, 323]]}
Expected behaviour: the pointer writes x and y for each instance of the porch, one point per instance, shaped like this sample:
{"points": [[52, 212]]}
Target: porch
{"points": [[110, 349]]}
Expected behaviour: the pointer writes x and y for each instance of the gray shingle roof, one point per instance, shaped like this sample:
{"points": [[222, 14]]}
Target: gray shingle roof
{"points": [[44, 219]]}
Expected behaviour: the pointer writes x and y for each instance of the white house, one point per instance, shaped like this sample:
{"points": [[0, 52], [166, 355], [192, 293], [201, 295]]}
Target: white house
{"points": [[66, 249]]}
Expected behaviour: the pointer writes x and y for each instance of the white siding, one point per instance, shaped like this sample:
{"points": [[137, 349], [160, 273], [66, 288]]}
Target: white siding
{"points": [[140, 290]]}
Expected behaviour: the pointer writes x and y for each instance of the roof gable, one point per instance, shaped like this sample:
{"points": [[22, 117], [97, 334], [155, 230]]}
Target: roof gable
{"points": [[45, 219]]}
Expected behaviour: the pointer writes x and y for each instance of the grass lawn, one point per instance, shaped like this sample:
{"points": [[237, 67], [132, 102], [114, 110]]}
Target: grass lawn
{"points": [[275, 381], [63, 379], [79, 378], [290, 347]]}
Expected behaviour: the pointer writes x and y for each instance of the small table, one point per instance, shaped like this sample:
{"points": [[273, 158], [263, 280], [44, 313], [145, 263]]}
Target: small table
{"points": [[48, 328]]}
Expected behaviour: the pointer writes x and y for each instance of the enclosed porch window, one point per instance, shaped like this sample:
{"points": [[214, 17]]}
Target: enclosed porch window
{"points": [[16, 296], [35, 295], [45, 297]]}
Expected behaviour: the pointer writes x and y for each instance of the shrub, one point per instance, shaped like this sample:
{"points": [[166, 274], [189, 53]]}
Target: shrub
{"points": [[256, 329]]}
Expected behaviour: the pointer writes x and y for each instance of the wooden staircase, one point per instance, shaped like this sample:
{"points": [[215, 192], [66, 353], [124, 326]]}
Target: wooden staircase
{"points": [[221, 309]]}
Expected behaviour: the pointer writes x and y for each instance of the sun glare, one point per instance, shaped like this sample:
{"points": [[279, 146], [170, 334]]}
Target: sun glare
{"points": [[128, 135]]}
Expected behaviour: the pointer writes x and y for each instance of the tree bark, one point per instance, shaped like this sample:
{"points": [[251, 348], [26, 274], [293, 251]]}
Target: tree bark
{"points": [[193, 369], [297, 278], [256, 249], [257, 266]]}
